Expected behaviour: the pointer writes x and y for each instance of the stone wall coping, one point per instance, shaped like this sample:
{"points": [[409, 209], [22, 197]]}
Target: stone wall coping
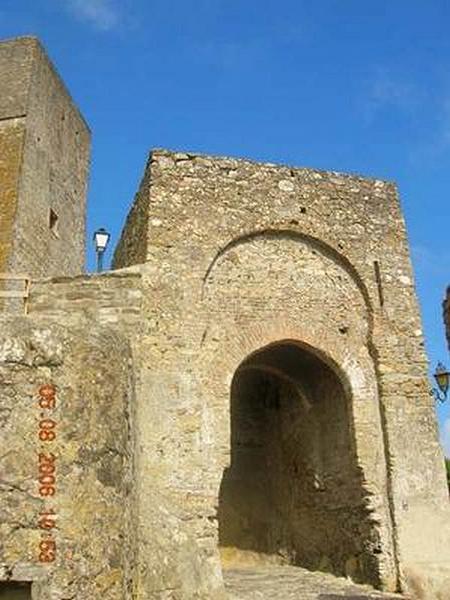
{"points": [[179, 155], [133, 272], [35, 43]]}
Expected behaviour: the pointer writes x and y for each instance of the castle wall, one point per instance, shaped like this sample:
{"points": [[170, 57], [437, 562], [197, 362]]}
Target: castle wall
{"points": [[66, 460], [206, 216], [54, 177], [48, 165], [12, 133], [269, 289], [168, 552], [15, 77], [16, 66], [132, 246], [112, 298], [240, 258]]}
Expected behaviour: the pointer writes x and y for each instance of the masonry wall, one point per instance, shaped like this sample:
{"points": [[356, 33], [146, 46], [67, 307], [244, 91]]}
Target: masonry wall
{"points": [[68, 531], [47, 147], [239, 257], [16, 65], [12, 133], [207, 217], [167, 552], [273, 292], [113, 298], [132, 246], [77, 337], [15, 76]]}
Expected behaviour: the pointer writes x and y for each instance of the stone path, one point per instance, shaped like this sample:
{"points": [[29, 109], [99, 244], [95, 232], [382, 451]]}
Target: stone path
{"points": [[295, 583]]}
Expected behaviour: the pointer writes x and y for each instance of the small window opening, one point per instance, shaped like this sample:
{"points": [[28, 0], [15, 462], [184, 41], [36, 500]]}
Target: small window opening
{"points": [[376, 266], [14, 590], [53, 222]]}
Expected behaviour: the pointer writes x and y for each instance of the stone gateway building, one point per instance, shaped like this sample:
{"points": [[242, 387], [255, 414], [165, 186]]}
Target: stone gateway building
{"points": [[239, 405]]}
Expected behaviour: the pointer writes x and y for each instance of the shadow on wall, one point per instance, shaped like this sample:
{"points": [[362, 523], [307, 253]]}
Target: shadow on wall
{"points": [[293, 490]]}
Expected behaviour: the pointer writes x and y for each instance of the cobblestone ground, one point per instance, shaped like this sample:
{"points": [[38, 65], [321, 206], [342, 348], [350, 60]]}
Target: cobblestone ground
{"points": [[294, 583]]}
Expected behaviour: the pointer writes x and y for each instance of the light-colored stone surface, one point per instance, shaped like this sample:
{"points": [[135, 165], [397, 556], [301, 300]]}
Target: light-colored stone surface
{"points": [[93, 502], [44, 162], [251, 380], [294, 583], [279, 309], [12, 134], [112, 298], [239, 264]]}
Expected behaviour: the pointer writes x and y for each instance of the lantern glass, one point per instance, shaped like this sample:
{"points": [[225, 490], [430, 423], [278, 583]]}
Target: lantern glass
{"points": [[101, 238], [442, 377]]}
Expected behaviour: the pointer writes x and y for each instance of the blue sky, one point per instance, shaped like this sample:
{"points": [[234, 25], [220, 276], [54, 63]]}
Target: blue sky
{"points": [[358, 86]]}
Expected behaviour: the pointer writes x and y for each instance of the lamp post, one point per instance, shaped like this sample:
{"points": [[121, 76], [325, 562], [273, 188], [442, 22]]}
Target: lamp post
{"points": [[442, 377], [101, 239]]}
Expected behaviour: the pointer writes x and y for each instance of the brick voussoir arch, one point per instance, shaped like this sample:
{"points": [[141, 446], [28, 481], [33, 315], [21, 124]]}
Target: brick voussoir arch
{"points": [[352, 370]]}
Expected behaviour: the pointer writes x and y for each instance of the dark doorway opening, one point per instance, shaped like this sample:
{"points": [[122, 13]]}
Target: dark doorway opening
{"points": [[15, 590], [293, 490]]}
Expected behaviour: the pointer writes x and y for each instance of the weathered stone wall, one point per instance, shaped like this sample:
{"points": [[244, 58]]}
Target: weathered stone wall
{"points": [[133, 243], [16, 65], [54, 177], [168, 554], [283, 278], [76, 338], [196, 351], [88, 430], [240, 258], [228, 242], [12, 133], [48, 159], [112, 298], [15, 76]]}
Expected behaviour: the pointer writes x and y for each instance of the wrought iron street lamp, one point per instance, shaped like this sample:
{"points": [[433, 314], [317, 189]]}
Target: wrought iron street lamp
{"points": [[101, 239], [442, 377]]}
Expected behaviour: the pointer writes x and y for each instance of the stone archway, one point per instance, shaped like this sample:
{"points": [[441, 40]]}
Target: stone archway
{"points": [[294, 490]]}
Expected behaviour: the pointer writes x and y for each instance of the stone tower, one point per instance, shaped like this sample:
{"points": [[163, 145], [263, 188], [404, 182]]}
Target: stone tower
{"points": [[44, 161]]}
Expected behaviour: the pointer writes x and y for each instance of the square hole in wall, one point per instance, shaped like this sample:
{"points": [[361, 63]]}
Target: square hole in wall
{"points": [[15, 590], [53, 222]]}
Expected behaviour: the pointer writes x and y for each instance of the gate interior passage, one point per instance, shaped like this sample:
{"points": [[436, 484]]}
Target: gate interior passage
{"points": [[293, 488], [15, 591]]}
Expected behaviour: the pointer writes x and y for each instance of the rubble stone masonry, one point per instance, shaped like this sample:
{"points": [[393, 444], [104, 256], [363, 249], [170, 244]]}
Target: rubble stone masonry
{"points": [[247, 385], [44, 161], [12, 134], [244, 257]]}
